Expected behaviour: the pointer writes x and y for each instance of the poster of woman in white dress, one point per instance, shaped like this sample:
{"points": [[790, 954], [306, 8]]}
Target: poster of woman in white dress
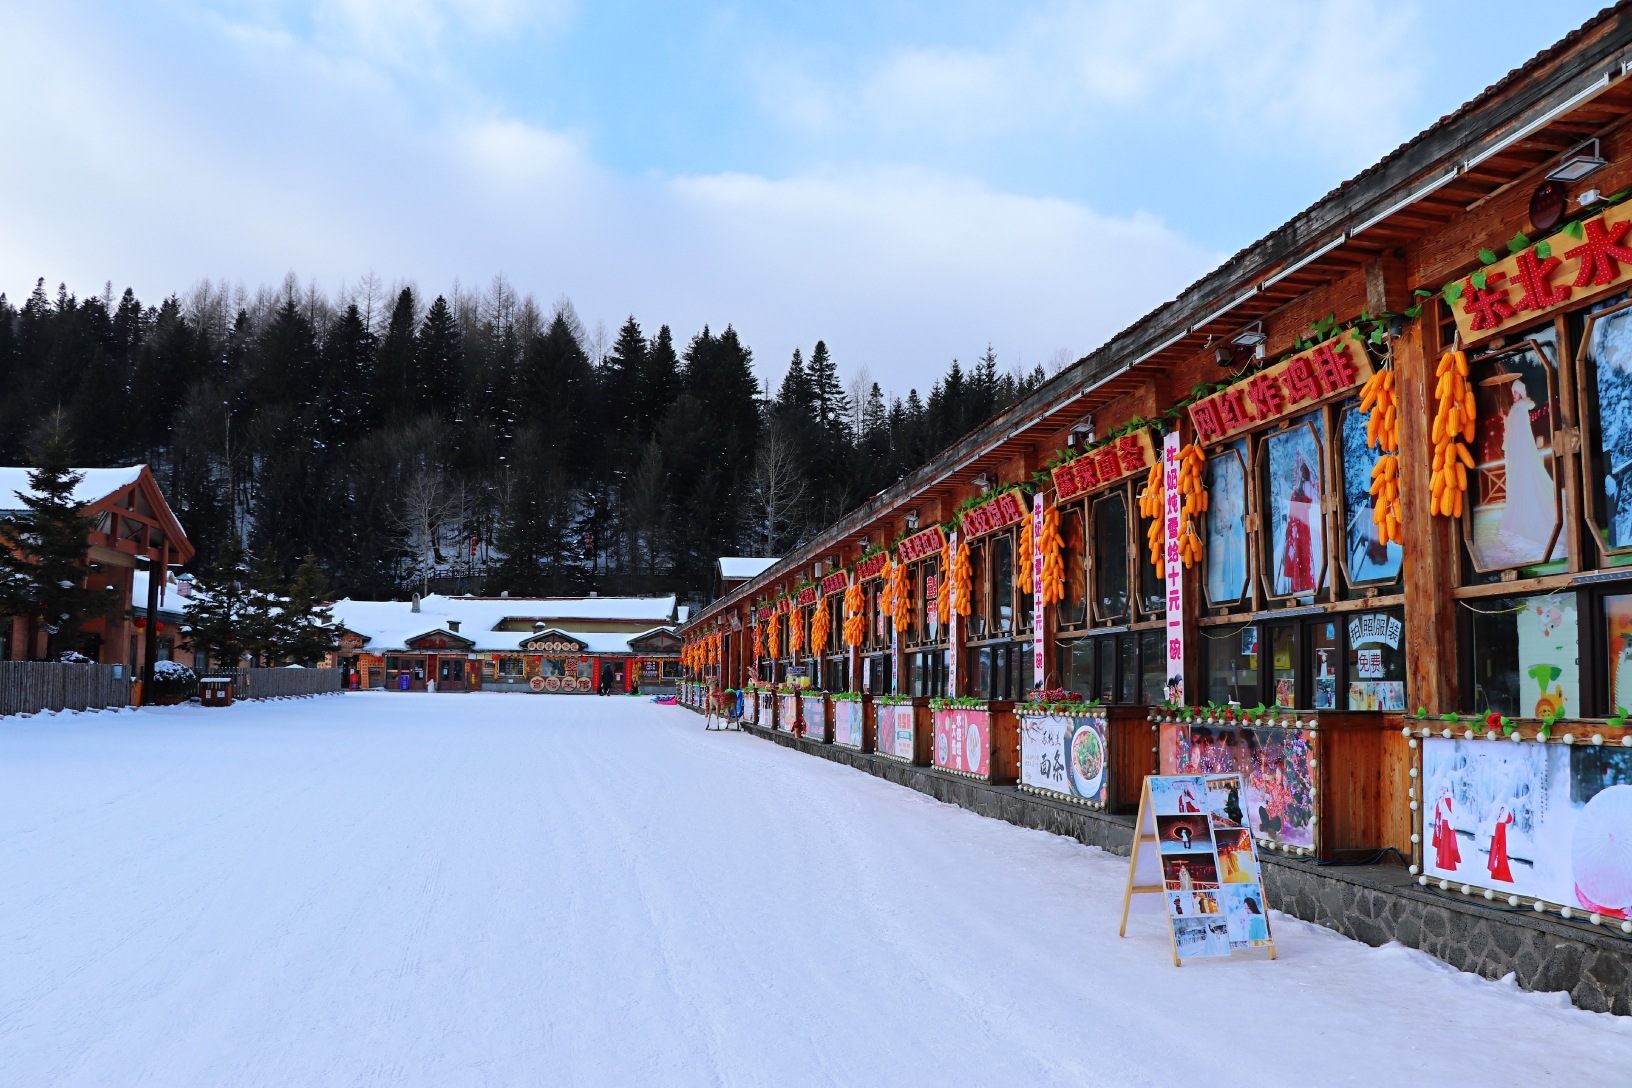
{"points": [[1294, 486], [1515, 498], [1226, 524]]}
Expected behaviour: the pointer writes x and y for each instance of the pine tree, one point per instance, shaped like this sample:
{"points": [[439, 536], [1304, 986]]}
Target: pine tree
{"points": [[830, 404], [349, 352], [43, 563], [438, 359], [659, 382], [305, 619], [218, 612], [397, 377], [624, 371]]}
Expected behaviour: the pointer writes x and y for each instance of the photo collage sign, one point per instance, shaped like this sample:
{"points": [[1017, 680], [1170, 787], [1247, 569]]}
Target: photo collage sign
{"points": [[1210, 874], [1278, 796]]}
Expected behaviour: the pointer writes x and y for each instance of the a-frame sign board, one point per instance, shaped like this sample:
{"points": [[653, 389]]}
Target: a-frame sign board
{"points": [[1192, 846]]}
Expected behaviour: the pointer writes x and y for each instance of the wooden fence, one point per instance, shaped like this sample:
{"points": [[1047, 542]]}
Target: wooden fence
{"points": [[280, 683], [27, 687]]}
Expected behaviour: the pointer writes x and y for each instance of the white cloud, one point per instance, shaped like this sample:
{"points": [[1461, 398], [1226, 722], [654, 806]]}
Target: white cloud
{"points": [[1333, 74], [268, 155]]}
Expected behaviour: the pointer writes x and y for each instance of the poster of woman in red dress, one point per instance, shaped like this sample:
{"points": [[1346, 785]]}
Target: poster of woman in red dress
{"points": [[1498, 846], [1447, 855], [1294, 486]]}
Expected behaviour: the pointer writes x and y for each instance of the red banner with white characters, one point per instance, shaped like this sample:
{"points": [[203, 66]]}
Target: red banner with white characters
{"points": [[922, 545], [1129, 454], [963, 741], [1002, 511], [1337, 365]]}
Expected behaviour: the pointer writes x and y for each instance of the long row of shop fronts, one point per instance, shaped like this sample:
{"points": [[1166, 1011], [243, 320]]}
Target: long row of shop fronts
{"points": [[554, 663], [1304, 638]]}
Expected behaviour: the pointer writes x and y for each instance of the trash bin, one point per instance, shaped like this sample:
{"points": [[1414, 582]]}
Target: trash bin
{"points": [[215, 690]]}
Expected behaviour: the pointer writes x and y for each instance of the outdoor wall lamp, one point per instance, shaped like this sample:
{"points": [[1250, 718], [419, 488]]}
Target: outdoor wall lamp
{"points": [[1578, 162], [983, 483], [912, 519], [1082, 432], [1252, 337]]}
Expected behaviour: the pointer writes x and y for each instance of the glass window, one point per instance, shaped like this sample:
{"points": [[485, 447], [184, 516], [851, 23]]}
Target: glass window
{"points": [[977, 591], [1515, 489], [980, 672], [1071, 606], [1128, 674], [1153, 668], [1152, 595], [391, 664], [1293, 486], [1111, 557], [1607, 373], [1376, 661], [1232, 666], [1077, 666], [1002, 584], [1283, 664], [508, 666], [1323, 653], [1105, 669], [1526, 656], [1618, 643], [1226, 555], [1368, 558]]}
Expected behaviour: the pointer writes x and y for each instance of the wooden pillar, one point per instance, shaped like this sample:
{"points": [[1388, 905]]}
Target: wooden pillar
{"points": [[1429, 543]]}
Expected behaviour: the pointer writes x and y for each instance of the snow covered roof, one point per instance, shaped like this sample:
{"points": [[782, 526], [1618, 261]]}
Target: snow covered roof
{"points": [[388, 625], [97, 483], [744, 566]]}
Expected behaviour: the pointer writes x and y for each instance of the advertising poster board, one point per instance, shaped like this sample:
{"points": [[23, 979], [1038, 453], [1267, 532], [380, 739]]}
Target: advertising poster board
{"points": [[1279, 796], [1039, 666], [1549, 821], [848, 718], [1210, 880], [1065, 755], [963, 741], [894, 724]]}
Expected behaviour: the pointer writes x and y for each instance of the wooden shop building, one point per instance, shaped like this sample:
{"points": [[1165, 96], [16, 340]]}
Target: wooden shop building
{"points": [[1442, 677]]}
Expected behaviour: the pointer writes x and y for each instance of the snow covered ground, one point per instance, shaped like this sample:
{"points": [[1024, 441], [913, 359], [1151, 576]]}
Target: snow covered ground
{"points": [[515, 890]]}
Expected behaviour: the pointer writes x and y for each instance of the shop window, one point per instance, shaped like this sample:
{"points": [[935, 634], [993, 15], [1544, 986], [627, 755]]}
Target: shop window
{"points": [[671, 670], [1002, 596], [1127, 670], [1293, 485], [1226, 555], [1076, 666], [1513, 510], [1152, 595], [1606, 380], [1153, 668], [1111, 557], [1368, 558], [1323, 656], [1525, 655], [1072, 606], [1618, 644], [926, 674], [977, 591], [1283, 665], [1376, 661], [980, 672], [1105, 670], [1232, 666], [391, 664]]}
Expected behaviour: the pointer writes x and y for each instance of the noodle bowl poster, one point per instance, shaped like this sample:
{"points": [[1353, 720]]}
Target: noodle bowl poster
{"points": [[1548, 821], [1064, 754]]}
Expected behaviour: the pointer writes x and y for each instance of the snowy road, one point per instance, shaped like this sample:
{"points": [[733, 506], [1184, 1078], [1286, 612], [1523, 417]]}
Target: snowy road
{"points": [[510, 890]]}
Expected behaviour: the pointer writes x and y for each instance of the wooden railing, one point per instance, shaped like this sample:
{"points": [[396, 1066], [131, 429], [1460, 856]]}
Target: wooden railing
{"points": [[27, 687]]}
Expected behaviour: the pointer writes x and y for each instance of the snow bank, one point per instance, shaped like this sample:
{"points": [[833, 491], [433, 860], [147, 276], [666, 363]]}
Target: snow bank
{"points": [[514, 890]]}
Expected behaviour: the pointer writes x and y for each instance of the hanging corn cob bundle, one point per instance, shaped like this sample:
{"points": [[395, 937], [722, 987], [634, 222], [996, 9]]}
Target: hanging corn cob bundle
{"points": [[1383, 428], [796, 631], [1191, 460], [714, 646], [759, 639], [1454, 426], [855, 623], [1150, 506], [960, 577], [1023, 558], [943, 600], [886, 587], [900, 596], [776, 634], [1053, 562], [821, 622]]}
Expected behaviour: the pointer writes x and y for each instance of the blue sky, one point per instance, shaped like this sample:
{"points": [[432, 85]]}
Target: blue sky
{"points": [[909, 181]]}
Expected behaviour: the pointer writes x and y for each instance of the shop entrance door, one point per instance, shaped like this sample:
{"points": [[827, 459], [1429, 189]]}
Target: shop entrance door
{"points": [[450, 674], [413, 670], [615, 668]]}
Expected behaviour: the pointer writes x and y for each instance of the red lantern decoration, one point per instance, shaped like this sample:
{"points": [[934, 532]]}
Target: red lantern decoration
{"points": [[141, 623]]}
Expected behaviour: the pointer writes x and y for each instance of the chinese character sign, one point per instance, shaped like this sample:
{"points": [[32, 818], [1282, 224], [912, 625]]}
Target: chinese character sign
{"points": [[1175, 569], [953, 647], [1337, 365], [1125, 456], [1036, 531]]}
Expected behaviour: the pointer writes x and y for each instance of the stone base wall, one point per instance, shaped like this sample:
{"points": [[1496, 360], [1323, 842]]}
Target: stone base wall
{"points": [[1371, 903]]}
